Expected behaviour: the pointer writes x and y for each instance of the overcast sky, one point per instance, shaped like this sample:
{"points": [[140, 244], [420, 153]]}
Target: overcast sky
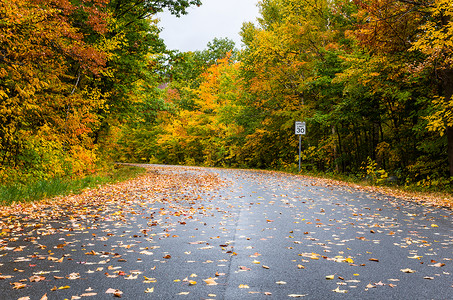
{"points": [[213, 19]]}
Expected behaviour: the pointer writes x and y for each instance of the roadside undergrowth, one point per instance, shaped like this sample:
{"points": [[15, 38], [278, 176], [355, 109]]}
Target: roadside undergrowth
{"points": [[15, 193]]}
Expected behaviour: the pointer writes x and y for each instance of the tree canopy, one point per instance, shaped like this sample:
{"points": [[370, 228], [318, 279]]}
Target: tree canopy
{"points": [[86, 82]]}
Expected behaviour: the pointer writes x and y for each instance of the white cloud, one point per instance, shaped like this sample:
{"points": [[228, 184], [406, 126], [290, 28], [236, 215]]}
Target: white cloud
{"points": [[213, 19]]}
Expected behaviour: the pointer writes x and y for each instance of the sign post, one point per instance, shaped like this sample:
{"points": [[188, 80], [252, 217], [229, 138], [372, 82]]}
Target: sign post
{"points": [[300, 129]]}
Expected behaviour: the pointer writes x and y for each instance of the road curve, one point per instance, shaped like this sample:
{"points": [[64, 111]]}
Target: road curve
{"points": [[198, 233]]}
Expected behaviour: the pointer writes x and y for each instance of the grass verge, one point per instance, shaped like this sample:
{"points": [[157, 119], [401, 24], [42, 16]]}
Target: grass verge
{"points": [[60, 187]]}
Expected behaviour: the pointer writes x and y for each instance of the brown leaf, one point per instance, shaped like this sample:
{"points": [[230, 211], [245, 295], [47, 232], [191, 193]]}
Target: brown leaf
{"points": [[37, 278], [18, 285]]}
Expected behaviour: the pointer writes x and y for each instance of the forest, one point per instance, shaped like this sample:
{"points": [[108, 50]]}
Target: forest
{"points": [[84, 83]]}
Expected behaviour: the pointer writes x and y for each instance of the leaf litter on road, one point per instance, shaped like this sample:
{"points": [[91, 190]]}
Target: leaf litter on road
{"points": [[135, 223]]}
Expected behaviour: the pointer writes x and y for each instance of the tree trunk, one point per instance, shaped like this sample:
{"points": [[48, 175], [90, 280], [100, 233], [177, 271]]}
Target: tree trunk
{"points": [[450, 148], [447, 85], [446, 76]]}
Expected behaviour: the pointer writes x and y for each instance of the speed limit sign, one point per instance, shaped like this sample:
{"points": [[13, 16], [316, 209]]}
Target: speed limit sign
{"points": [[300, 128]]}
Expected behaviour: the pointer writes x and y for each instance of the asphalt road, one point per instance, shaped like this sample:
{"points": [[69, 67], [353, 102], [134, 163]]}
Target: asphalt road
{"points": [[194, 233]]}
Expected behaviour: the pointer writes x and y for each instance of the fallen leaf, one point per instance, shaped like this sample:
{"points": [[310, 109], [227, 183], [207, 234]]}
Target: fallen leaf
{"points": [[18, 285], [337, 290], [64, 287], [244, 286], [296, 295], [149, 290], [407, 270], [438, 265], [210, 281], [280, 282], [73, 276], [112, 291], [415, 257], [36, 278], [330, 277]]}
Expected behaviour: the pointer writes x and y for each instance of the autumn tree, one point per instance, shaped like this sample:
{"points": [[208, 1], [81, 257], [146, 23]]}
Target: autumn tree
{"points": [[68, 70], [47, 113], [424, 28], [279, 61]]}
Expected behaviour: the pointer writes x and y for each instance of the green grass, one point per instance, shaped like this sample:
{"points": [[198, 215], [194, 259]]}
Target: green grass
{"points": [[61, 187]]}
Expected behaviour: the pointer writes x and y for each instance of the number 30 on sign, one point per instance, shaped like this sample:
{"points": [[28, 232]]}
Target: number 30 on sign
{"points": [[300, 128]]}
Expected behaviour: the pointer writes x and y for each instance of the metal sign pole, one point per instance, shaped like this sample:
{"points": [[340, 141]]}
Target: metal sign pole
{"points": [[300, 129], [300, 147]]}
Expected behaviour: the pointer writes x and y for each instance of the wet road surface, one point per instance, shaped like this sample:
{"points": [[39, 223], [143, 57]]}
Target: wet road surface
{"points": [[195, 233]]}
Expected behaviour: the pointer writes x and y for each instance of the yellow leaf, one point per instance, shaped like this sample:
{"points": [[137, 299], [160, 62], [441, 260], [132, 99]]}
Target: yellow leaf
{"points": [[64, 287]]}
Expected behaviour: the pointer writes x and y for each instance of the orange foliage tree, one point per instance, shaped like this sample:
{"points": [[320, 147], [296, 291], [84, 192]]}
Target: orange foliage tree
{"points": [[47, 99], [205, 135]]}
